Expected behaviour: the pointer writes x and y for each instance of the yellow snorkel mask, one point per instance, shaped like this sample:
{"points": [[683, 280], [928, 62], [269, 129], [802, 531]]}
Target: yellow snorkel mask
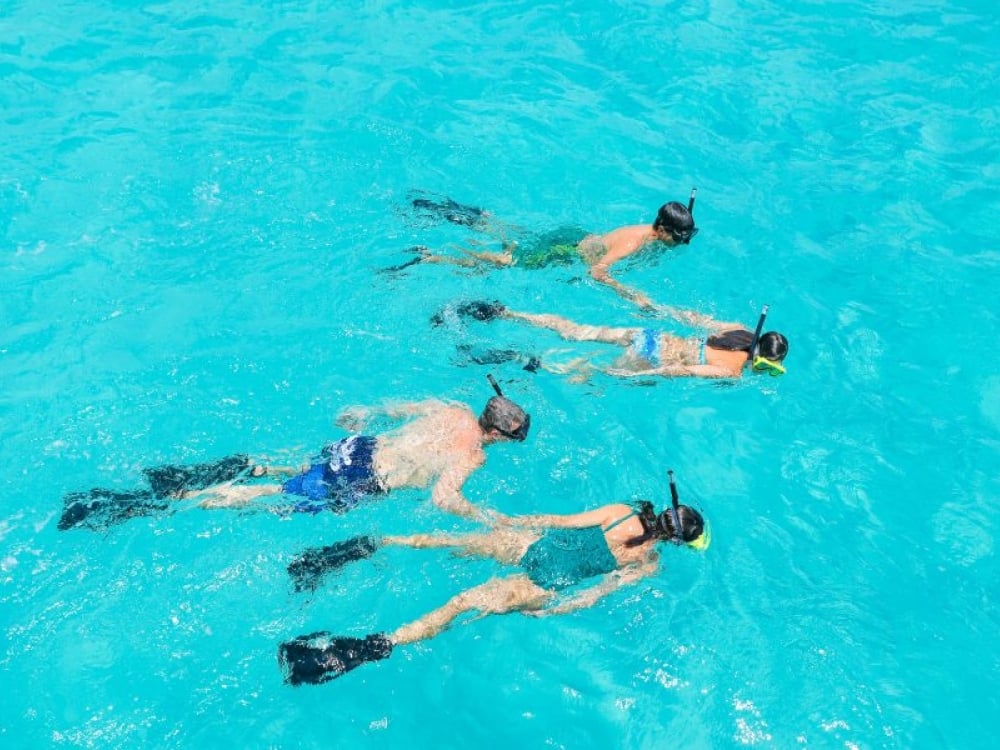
{"points": [[772, 368], [700, 542], [757, 362]]}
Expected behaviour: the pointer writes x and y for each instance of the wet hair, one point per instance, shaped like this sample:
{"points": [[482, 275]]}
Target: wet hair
{"points": [[674, 216], [661, 527], [737, 340], [503, 414], [771, 345]]}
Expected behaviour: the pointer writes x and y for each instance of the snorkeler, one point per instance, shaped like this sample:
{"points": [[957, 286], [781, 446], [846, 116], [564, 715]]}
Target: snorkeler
{"points": [[674, 225], [554, 552], [648, 351], [441, 444]]}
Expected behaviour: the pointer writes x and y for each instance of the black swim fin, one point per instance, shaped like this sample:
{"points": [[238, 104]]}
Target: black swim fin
{"points": [[316, 658], [100, 508], [172, 480], [481, 310], [308, 569], [452, 211], [422, 252]]}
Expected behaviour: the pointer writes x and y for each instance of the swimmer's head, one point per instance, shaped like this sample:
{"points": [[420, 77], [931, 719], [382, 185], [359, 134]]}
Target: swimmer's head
{"points": [[506, 417], [680, 524], [675, 224], [770, 352], [765, 354], [694, 531]]}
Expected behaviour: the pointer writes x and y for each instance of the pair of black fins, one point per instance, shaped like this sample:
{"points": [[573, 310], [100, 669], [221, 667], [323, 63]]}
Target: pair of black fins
{"points": [[484, 311], [318, 657], [100, 508], [440, 207]]}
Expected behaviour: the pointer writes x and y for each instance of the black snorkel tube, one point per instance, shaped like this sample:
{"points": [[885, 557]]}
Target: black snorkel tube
{"points": [[675, 517], [694, 194], [756, 334], [496, 387]]}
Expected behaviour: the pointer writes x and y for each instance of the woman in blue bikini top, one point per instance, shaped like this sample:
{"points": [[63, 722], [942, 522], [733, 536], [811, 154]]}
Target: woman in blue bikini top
{"points": [[554, 552], [724, 353]]}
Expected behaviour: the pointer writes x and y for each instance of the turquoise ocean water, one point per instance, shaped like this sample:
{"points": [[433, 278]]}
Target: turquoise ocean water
{"points": [[195, 201]]}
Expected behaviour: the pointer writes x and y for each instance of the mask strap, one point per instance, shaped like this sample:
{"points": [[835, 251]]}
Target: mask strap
{"points": [[756, 334]]}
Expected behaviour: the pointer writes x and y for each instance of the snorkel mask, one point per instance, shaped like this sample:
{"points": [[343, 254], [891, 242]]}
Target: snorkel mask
{"points": [[522, 430], [699, 543], [683, 236], [757, 362]]}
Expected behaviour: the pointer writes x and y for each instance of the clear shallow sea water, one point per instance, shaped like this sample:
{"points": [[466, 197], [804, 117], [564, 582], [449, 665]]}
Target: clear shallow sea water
{"points": [[194, 205]]}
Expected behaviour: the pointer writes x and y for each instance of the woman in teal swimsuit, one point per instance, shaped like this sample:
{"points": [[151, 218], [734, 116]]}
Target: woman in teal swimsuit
{"points": [[615, 544]]}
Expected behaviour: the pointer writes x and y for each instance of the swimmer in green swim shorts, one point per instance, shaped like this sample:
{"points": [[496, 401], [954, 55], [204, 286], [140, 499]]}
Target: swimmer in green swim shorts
{"points": [[567, 562], [674, 225]]}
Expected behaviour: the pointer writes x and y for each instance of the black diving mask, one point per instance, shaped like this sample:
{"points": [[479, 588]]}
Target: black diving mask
{"points": [[520, 433]]}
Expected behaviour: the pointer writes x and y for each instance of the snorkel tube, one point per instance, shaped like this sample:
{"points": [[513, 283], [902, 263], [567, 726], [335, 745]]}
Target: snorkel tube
{"points": [[675, 517], [496, 387], [694, 194], [756, 334], [699, 543]]}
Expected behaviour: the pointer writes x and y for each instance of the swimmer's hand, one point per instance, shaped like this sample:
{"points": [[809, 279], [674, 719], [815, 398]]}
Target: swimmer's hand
{"points": [[353, 418]]}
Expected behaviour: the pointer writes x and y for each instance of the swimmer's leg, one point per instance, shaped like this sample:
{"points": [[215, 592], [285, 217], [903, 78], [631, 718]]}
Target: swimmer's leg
{"points": [[571, 331], [318, 658], [230, 495], [496, 597], [503, 545], [175, 480]]}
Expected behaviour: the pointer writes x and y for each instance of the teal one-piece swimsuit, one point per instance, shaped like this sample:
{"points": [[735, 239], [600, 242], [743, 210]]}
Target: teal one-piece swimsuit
{"points": [[564, 557]]}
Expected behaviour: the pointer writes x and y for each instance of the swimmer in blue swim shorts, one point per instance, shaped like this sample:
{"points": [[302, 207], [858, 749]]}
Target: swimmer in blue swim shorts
{"points": [[438, 445], [566, 562]]}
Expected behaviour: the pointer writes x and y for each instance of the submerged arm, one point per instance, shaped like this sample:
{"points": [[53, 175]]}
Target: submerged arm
{"points": [[611, 582], [568, 521], [676, 371], [600, 272], [447, 491], [353, 418], [697, 319]]}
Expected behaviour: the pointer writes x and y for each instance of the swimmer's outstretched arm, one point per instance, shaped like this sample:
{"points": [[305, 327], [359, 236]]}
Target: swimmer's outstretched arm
{"points": [[600, 273], [589, 597], [447, 491], [596, 517], [674, 371], [353, 418], [697, 320]]}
